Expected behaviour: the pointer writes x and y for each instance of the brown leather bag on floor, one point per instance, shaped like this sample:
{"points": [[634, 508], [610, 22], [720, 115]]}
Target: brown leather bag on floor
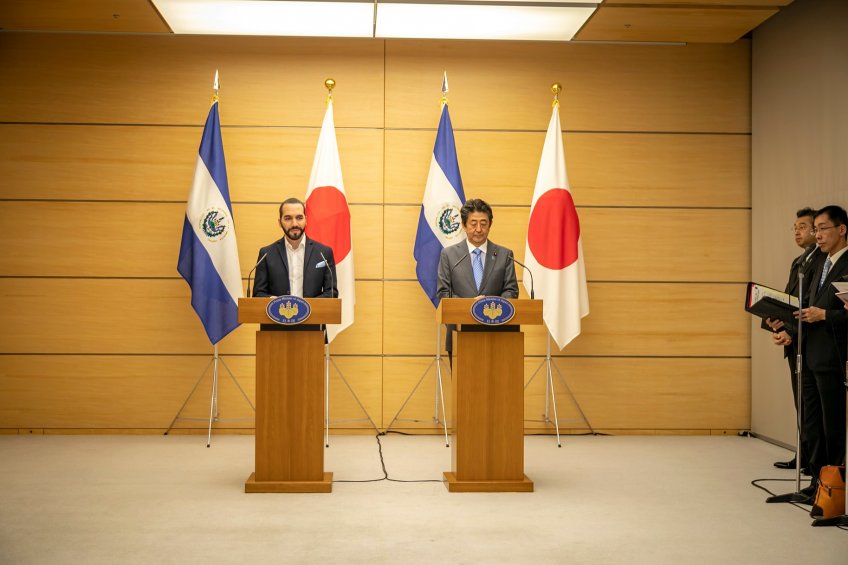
{"points": [[830, 495]]}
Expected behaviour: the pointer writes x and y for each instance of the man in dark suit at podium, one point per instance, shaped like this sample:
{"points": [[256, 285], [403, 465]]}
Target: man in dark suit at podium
{"points": [[807, 262], [476, 266], [295, 264]]}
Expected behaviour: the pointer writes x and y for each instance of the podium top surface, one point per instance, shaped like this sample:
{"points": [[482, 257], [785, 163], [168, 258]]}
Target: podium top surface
{"points": [[324, 310], [458, 311]]}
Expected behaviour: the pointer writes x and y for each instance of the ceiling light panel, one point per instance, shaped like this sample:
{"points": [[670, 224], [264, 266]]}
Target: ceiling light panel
{"points": [[263, 17], [480, 21]]}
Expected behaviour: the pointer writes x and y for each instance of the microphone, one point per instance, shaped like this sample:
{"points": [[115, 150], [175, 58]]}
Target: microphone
{"points": [[326, 265], [514, 260], [804, 259], [253, 269], [450, 274]]}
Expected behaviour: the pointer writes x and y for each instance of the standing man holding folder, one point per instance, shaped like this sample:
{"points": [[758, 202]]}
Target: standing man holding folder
{"points": [[807, 263]]}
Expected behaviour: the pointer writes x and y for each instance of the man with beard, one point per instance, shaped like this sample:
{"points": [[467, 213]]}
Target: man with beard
{"points": [[807, 262], [294, 264]]}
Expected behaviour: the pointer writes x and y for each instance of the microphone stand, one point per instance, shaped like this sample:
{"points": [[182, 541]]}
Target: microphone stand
{"points": [[797, 496]]}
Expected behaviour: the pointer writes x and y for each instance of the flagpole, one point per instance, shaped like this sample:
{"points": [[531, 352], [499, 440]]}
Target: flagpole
{"points": [[218, 319], [430, 290], [330, 84]]}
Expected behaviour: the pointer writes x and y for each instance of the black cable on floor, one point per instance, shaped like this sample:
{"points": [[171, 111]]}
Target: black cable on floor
{"points": [[385, 476]]}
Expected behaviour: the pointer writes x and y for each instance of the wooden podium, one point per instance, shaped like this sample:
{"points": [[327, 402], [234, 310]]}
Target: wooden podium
{"points": [[289, 400], [487, 451]]}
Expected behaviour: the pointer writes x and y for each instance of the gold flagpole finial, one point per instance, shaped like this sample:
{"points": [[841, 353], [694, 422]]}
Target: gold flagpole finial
{"points": [[215, 85], [330, 84], [556, 88], [444, 99]]}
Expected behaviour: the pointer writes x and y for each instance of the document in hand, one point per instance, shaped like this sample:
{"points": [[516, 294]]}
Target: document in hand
{"points": [[767, 302], [842, 291]]}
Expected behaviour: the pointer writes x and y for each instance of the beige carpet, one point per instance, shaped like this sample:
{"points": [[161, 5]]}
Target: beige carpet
{"points": [[154, 499]]}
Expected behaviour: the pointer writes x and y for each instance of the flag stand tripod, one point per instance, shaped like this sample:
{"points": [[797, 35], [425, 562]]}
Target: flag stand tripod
{"points": [[439, 394], [213, 404], [327, 362], [550, 395]]}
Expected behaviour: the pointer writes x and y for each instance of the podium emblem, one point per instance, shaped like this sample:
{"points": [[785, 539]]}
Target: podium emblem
{"points": [[288, 310], [492, 310]]}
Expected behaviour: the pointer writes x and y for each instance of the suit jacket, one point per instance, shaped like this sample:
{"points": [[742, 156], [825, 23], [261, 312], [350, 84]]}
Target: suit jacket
{"points": [[825, 342], [811, 259], [456, 277], [272, 274]]}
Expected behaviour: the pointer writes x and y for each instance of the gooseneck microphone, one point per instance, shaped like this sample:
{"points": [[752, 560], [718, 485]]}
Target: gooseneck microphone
{"points": [[253, 269], [514, 260], [450, 274], [324, 264]]}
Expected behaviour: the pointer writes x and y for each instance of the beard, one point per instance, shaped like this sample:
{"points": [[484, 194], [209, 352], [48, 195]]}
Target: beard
{"points": [[294, 233]]}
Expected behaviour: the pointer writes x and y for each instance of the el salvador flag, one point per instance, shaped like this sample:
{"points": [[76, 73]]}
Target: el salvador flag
{"points": [[208, 254], [439, 223]]}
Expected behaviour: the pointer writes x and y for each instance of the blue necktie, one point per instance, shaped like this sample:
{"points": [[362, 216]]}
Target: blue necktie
{"points": [[477, 268], [826, 269]]}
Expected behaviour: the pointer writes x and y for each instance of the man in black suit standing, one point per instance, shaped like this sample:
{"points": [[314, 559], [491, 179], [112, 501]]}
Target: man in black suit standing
{"points": [[826, 326], [807, 262], [294, 264]]}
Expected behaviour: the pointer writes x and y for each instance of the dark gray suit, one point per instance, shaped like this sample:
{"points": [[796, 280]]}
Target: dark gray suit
{"points": [[456, 278]]}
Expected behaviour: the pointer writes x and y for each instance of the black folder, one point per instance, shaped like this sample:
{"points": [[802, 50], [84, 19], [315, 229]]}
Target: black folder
{"points": [[766, 302]]}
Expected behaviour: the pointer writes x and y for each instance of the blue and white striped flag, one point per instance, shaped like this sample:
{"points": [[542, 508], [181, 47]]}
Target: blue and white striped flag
{"points": [[439, 223], [208, 254]]}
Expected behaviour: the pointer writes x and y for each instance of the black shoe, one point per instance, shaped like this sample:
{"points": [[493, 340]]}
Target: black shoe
{"points": [[785, 464], [809, 494]]}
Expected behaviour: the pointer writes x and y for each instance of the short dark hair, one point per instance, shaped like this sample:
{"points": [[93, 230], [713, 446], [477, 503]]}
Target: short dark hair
{"points": [[474, 205], [835, 214], [291, 201], [803, 212]]}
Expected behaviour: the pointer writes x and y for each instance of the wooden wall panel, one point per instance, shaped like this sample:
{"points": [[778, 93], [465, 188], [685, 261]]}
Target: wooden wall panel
{"points": [[96, 172], [604, 169], [653, 319], [610, 88], [157, 163], [619, 244], [146, 392], [672, 393], [265, 81], [138, 239], [130, 316]]}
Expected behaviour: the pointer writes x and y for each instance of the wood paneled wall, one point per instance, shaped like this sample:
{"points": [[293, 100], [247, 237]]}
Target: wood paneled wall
{"points": [[98, 137]]}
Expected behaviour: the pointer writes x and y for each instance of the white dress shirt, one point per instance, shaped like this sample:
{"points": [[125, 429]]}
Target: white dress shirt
{"points": [[295, 258]]}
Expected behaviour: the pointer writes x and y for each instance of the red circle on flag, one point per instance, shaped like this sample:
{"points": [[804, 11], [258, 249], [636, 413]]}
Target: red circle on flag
{"points": [[328, 220], [554, 229]]}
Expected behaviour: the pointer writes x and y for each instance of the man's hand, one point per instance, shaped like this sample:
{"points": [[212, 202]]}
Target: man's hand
{"points": [[774, 324], [781, 338], [811, 314]]}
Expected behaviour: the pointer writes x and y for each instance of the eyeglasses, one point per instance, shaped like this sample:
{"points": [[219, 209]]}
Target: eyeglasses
{"points": [[814, 231], [803, 228]]}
